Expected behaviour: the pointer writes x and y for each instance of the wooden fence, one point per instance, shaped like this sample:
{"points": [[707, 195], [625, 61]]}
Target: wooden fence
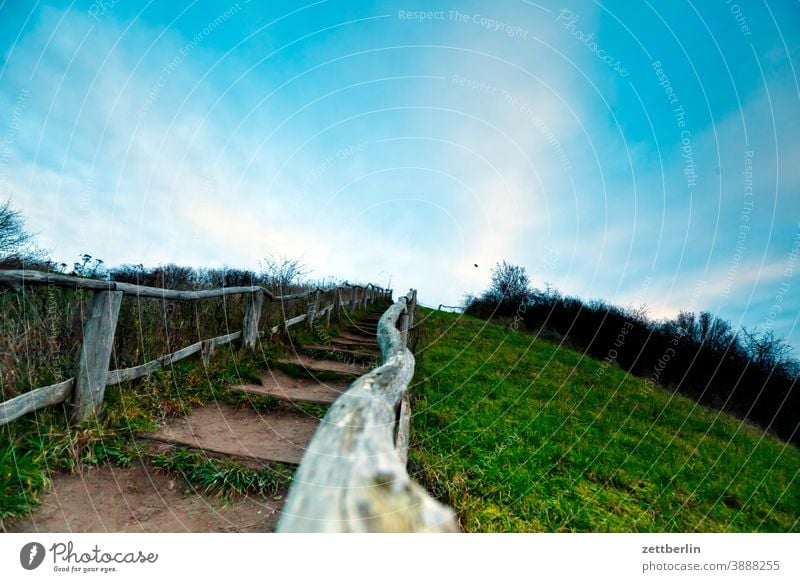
{"points": [[87, 388], [352, 477]]}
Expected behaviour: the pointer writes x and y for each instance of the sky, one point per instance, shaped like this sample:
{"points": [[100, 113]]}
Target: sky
{"points": [[645, 153]]}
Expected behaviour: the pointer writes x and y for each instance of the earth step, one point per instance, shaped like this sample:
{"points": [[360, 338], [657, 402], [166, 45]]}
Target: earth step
{"points": [[370, 348], [371, 334], [241, 433], [356, 337], [364, 325], [277, 384], [343, 368], [347, 353]]}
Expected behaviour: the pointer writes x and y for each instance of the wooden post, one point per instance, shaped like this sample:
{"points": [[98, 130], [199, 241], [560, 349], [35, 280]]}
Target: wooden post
{"points": [[403, 428], [412, 308], [353, 299], [252, 315], [98, 340], [206, 352], [313, 306], [328, 318], [402, 324]]}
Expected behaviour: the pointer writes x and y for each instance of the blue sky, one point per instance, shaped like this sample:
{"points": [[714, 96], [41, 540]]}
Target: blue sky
{"points": [[644, 153]]}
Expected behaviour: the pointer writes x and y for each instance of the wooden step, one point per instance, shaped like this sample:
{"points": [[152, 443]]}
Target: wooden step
{"points": [[345, 352], [356, 337], [348, 369], [277, 384], [366, 348], [361, 325], [370, 334], [241, 433]]}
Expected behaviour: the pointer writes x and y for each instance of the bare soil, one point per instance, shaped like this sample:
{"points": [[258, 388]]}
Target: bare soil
{"points": [[242, 433], [277, 384], [140, 498], [352, 369]]}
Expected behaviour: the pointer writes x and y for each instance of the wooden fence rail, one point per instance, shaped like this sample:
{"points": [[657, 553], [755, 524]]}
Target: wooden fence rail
{"points": [[352, 477], [87, 388]]}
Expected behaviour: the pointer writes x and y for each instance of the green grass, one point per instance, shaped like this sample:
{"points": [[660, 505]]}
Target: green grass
{"points": [[518, 434], [214, 476]]}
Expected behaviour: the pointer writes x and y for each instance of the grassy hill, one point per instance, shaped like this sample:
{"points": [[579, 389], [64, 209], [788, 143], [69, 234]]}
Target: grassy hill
{"points": [[519, 434]]}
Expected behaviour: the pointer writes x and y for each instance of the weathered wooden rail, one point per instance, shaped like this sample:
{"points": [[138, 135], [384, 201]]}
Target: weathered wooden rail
{"points": [[87, 388], [352, 477]]}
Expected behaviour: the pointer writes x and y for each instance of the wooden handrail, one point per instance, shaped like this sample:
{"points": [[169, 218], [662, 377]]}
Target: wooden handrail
{"points": [[352, 477], [16, 278]]}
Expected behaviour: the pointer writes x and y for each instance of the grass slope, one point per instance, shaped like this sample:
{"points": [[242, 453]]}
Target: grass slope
{"points": [[519, 434]]}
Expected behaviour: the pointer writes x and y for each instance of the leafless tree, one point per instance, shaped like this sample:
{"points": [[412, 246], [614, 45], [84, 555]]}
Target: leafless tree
{"points": [[282, 272], [16, 243], [510, 282]]}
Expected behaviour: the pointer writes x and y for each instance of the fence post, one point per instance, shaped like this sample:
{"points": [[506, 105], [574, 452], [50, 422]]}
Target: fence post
{"points": [[98, 341], [403, 429], [412, 308], [252, 316], [353, 299], [313, 306], [402, 323], [206, 352]]}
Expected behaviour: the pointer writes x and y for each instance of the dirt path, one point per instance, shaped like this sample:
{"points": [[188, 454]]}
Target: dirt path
{"points": [[242, 433], [141, 498]]}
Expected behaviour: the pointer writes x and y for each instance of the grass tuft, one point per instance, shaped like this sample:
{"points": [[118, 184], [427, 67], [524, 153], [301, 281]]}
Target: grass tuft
{"points": [[222, 477]]}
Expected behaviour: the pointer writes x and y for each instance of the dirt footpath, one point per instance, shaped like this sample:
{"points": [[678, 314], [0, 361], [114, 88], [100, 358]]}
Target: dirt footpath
{"points": [[142, 499]]}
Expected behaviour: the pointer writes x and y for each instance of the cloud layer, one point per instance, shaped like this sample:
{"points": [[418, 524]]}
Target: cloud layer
{"points": [[414, 142]]}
